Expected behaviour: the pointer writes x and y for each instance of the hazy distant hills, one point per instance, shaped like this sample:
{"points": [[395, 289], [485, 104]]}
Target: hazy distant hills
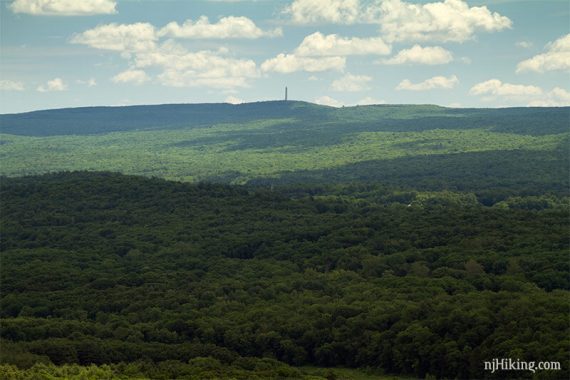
{"points": [[511, 150], [93, 120]]}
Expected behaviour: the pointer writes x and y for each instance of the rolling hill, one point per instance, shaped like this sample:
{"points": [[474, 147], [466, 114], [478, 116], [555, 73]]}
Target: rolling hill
{"points": [[291, 142], [283, 240]]}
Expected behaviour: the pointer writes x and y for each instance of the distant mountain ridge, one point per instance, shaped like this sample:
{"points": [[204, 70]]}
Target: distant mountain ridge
{"points": [[97, 120], [509, 150], [94, 120]]}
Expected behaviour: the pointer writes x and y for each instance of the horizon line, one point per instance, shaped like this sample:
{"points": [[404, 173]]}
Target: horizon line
{"points": [[272, 101]]}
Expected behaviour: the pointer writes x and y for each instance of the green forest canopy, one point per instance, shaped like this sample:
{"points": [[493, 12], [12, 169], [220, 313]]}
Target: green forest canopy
{"points": [[100, 268], [296, 142], [417, 241]]}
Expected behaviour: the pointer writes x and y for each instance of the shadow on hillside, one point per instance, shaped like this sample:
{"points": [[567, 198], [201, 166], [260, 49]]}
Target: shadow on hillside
{"points": [[516, 172]]}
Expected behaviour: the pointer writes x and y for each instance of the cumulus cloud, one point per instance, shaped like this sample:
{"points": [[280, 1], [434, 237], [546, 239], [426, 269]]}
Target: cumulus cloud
{"points": [[125, 38], [183, 68], [446, 21], [318, 44], [56, 84], [351, 83], [216, 78], [556, 57], [177, 67], [225, 28], [429, 84], [557, 97], [324, 11], [10, 85], [318, 52], [328, 101], [430, 55], [64, 7], [495, 87], [131, 76], [289, 63], [494, 90]]}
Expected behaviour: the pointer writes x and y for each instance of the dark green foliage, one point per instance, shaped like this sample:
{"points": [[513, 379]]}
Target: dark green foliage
{"points": [[415, 240], [93, 120], [196, 280], [493, 176], [393, 118]]}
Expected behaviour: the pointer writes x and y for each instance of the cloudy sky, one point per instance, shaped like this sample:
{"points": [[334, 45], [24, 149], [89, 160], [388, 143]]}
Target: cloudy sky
{"points": [[70, 53]]}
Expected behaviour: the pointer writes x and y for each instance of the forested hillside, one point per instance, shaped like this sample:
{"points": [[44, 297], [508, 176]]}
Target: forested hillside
{"points": [[296, 241], [181, 280], [435, 148]]}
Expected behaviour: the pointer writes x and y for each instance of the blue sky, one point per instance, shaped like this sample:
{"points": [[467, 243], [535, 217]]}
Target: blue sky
{"points": [[71, 53]]}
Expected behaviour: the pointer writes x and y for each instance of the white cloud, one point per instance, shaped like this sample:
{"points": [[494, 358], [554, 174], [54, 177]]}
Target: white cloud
{"points": [[225, 28], [494, 90], [351, 83], [64, 7], [178, 67], [125, 38], [182, 68], [131, 76], [557, 97], [524, 44], [318, 44], [556, 57], [318, 52], [56, 84], [430, 55], [289, 63], [447, 21], [369, 101], [431, 83], [10, 85], [328, 101], [495, 87], [324, 11], [177, 78], [233, 100]]}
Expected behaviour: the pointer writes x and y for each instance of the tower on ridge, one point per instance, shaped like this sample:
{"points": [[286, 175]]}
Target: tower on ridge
{"points": [[285, 93]]}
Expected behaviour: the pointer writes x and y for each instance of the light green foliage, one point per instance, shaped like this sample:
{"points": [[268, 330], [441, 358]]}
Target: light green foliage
{"points": [[196, 369], [159, 153]]}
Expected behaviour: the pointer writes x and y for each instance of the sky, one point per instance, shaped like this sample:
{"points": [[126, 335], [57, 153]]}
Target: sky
{"points": [[453, 53]]}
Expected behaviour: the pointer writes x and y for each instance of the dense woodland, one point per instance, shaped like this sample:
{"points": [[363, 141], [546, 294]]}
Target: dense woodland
{"points": [[184, 280], [296, 241], [428, 147]]}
